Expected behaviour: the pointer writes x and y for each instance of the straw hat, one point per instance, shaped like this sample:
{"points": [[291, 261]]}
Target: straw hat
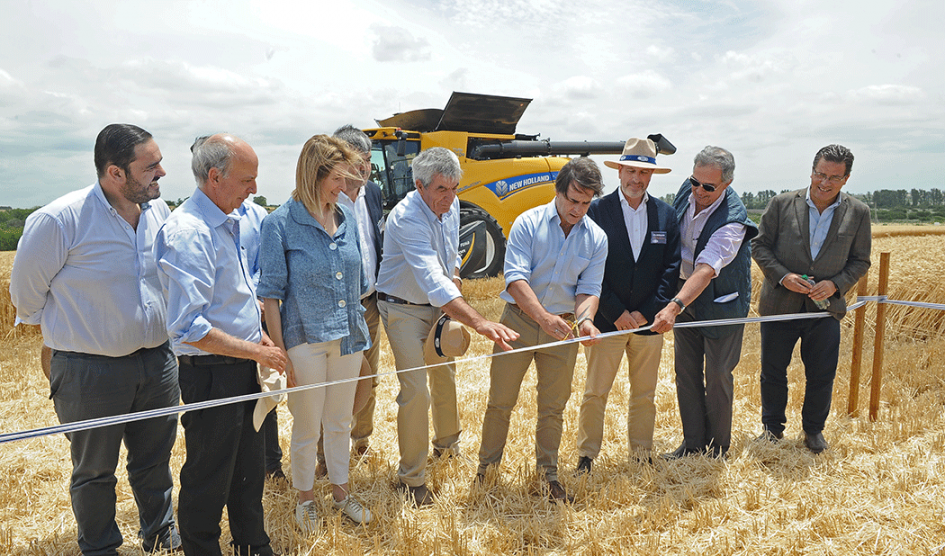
{"points": [[269, 380], [639, 153], [447, 338]]}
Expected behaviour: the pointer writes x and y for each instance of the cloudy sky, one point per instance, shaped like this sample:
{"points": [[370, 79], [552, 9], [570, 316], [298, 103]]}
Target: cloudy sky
{"points": [[770, 81]]}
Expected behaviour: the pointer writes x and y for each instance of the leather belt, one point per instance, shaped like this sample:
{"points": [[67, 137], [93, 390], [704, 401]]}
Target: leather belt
{"points": [[381, 296], [209, 360]]}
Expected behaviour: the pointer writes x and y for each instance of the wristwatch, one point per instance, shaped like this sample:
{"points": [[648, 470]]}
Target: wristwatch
{"points": [[682, 306]]}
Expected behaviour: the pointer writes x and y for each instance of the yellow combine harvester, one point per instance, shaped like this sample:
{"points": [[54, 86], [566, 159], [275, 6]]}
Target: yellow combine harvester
{"points": [[504, 173]]}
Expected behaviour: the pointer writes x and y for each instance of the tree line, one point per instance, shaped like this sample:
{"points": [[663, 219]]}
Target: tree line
{"points": [[886, 205]]}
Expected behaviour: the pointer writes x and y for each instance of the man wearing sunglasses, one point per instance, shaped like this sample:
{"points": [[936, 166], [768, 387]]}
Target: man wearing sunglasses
{"points": [[715, 283], [813, 246]]}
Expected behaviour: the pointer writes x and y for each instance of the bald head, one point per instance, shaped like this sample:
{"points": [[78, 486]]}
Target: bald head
{"points": [[225, 168]]}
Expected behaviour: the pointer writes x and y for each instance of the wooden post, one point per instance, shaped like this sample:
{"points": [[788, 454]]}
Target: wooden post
{"points": [[858, 322], [877, 379]]}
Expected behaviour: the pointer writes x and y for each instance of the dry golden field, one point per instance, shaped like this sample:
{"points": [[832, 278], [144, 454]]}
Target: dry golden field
{"points": [[880, 489]]}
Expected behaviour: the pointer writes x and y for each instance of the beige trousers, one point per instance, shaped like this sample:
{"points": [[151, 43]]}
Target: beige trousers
{"points": [[555, 368], [603, 362], [407, 328]]}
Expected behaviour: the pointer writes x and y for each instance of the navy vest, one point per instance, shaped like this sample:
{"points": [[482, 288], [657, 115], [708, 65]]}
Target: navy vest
{"points": [[734, 277]]}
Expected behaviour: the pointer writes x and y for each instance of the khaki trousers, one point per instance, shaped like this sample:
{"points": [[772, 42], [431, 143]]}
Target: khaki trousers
{"points": [[555, 368], [407, 329], [363, 424], [603, 362]]}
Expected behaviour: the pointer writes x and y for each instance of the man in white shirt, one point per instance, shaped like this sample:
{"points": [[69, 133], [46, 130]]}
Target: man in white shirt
{"points": [[715, 283], [85, 272]]}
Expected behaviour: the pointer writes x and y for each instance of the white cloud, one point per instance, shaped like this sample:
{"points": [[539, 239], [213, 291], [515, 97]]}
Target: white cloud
{"points": [[396, 44], [889, 94], [579, 88], [644, 84]]}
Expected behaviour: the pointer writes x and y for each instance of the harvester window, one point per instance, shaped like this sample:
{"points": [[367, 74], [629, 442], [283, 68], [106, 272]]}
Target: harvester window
{"points": [[390, 169]]}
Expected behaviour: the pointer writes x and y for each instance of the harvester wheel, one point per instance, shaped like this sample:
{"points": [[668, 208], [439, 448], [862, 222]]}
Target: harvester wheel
{"points": [[481, 244]]}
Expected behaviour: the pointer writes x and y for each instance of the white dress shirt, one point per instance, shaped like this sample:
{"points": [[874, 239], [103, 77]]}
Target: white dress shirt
{"points": [[636, 221], [88, 278], [368, 255], [721, 248]]}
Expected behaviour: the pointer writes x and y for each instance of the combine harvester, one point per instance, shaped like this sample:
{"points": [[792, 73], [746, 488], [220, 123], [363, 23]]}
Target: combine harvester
{"points": [[504, 173]]}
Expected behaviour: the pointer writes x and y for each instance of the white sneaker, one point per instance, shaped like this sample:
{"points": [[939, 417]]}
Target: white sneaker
{"points": [[306, 517], [354, 510]]}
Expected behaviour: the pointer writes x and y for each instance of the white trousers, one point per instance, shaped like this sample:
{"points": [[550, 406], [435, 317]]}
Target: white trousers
{"points": [[328, 407]]}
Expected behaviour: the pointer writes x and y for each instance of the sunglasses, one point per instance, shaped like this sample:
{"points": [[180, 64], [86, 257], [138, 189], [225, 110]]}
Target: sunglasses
{"points": [[707, 186]]}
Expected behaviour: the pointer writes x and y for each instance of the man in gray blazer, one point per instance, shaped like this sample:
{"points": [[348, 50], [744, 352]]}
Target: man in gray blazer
{"points": [[813, 246]]}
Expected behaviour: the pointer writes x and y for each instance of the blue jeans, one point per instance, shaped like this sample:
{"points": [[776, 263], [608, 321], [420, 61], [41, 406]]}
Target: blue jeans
{"points": [[820, 351], [84, 386]]}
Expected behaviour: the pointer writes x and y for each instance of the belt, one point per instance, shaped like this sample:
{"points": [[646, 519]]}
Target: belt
{"points": [[208, 360], [381, 296]]}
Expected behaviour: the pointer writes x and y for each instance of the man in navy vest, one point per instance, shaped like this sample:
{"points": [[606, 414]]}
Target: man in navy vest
{"points": [[715, 283]]}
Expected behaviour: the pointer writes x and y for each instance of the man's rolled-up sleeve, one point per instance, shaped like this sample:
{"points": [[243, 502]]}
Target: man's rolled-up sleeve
{"points": [[186, 268], [589, 282], [40, 255], [722, 247]]}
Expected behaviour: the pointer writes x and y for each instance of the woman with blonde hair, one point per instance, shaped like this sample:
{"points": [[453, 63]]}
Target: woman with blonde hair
{"points": [[311, 282]]}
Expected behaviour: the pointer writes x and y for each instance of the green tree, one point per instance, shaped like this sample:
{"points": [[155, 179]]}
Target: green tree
{"points": [[261, 201]]}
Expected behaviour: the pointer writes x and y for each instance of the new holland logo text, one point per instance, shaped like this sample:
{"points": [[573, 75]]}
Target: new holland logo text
{"points": [[504, 188]]}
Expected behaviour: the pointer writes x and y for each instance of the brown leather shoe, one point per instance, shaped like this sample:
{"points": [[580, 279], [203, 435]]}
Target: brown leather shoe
{"points": [[556, 493], [321, 470], [584, 465], [418, 496], [361, 451]]}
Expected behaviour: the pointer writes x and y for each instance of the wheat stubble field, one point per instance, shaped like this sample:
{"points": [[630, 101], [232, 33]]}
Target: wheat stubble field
{"points": [[879, 490]]}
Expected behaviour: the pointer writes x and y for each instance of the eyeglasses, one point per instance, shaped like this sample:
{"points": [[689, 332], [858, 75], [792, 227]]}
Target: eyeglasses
{"points": [[707, 186], [832, 179]]}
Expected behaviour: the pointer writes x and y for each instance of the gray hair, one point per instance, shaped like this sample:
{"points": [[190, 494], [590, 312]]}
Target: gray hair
{"points": [[837, 154], [210, 154], [717, 156], [438, 160], [354, 137]]}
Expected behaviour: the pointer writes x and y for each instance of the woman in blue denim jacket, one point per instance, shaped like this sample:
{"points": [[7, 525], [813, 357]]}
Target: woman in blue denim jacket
{"points": [[310, 261]]}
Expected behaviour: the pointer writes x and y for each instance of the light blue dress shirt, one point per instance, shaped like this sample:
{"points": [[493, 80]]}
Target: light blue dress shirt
{"points": [[88, 278], [206, 280], [421, 253], [819, 224], [557, 268], [317, 277], [251, 218]]}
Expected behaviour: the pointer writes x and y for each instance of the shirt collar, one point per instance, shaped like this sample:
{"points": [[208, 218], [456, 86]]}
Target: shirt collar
{"points": [[210, 211], [811, 204], [551, 215], [625, 203], [99, 194]]}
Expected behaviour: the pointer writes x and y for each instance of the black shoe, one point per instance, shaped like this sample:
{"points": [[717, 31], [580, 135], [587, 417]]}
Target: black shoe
{"points": [[584, 465], [679, 453], [815, 442], [556, 493], [418, 496], [769, 435], [276, 474], [167, 540]]}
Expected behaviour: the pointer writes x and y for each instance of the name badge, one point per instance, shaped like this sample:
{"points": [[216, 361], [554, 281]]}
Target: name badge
{"points": [[658, 237]]}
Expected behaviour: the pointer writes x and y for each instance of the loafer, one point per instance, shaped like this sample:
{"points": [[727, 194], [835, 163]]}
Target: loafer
{"points": [[418, 496], [584, 465], [679, 453], [360, 451], [167, 540], [815, 442], [557, 493], [769, 435]]}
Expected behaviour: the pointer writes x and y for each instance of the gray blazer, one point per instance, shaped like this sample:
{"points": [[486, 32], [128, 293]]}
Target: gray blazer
{"points": [[783, 246]]}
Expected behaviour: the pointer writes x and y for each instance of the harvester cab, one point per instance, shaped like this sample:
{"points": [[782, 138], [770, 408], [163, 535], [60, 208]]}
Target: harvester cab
{"points": [[504, 173]]}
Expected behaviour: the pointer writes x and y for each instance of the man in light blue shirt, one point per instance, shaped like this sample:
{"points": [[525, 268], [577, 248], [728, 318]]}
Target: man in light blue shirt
{"points": [[554, 264], [215, 329], [417, 283], [84, 272]]}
